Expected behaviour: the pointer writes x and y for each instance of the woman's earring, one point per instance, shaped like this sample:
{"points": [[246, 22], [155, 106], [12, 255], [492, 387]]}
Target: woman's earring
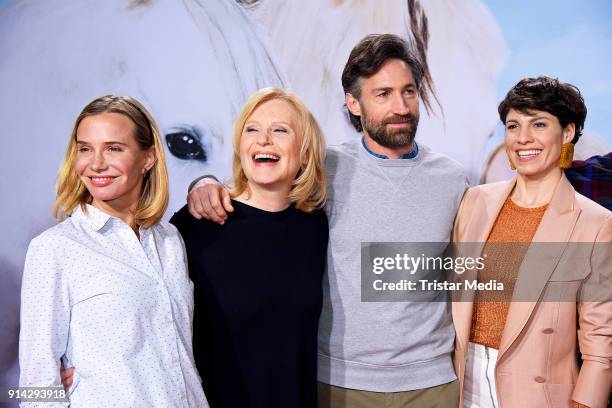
{"points": [[567, 155], [512, 166]]}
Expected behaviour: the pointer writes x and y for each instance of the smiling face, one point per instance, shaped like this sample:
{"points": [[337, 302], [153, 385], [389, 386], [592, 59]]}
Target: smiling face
{"points": [[388, 105], [110, 162], [533, 142], [270, 146]]}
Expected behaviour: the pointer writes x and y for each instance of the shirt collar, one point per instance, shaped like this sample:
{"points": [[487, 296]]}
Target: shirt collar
{"points": [[411, 155], [94, 218]]}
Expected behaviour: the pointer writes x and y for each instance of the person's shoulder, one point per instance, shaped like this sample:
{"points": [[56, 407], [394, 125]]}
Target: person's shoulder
{"points": [[595, 217], [187, 224], [340, 159], [485, 190], [165, 229], [599, 162], [181, 219], [347, 149], [57, 234], [314, 221], [55, 240], [590, 208], [441, 170], [181, 215], [489, 187], [440, 160], [317, 215]]}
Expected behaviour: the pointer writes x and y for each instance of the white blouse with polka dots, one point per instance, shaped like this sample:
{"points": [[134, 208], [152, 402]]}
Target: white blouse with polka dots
{"points": [[117, 308]]}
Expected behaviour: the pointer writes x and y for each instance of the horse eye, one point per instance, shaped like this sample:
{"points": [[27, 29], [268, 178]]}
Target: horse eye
{"points": [[185, 144]]}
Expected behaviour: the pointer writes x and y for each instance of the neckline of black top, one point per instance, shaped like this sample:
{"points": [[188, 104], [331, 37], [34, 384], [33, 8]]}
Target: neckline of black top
{"points": [[246, 209]]}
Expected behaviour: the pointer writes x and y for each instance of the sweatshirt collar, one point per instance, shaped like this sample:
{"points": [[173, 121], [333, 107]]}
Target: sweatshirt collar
{"points": [[410, 155]]}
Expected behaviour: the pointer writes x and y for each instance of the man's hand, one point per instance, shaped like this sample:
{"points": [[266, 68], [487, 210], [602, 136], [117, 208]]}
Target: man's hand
{"points": [[209, 199], [67, 375]]}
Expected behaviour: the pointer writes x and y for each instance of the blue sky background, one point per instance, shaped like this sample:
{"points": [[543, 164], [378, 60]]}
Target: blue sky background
{"points": [[568, 39]]}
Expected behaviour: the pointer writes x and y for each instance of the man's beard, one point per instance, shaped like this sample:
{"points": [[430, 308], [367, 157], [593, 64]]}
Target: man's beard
{"points": [[391, 138]]}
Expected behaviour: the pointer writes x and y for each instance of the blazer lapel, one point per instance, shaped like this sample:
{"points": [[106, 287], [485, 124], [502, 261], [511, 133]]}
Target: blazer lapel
{"points": [[486, 209], [540, 261]]}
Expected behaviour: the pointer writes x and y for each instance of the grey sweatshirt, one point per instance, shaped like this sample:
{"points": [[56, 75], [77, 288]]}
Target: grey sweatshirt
{"points": [[388, 346]]}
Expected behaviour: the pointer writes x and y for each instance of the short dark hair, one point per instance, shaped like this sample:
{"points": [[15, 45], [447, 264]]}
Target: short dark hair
{"points": [[543, 93], [370, 54]]}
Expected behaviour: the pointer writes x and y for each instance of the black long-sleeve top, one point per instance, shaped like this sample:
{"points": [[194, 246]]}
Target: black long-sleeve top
{"points": [[258, 293]]}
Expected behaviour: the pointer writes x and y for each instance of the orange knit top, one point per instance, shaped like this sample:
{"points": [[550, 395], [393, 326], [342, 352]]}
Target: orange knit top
{"points": [[514, 224]]}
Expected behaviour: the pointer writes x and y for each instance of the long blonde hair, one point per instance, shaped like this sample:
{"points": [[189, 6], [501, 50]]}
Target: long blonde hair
{"points": [[153, 198], [309, 189]]}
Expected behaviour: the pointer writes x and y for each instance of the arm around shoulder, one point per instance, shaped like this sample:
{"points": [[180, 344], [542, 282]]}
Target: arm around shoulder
{"points": [[209, 199]]}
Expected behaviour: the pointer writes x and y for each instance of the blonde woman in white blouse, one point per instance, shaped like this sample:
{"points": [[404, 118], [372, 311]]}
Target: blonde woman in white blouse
{"points": [[107, 289]]}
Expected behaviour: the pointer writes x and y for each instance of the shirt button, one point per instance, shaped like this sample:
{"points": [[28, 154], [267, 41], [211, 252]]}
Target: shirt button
{"points": [[539, 379], [548, 330]]}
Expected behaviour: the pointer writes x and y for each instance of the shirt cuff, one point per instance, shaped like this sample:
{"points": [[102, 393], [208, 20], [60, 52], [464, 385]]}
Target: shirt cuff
{"points": [[194, 182]]}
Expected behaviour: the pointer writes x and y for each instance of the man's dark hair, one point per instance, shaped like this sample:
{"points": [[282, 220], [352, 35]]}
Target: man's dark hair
{"points": [[370, 54], [561, 100]]}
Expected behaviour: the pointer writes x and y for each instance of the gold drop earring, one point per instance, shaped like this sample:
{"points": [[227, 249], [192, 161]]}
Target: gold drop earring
{"points": [[567, 155]]}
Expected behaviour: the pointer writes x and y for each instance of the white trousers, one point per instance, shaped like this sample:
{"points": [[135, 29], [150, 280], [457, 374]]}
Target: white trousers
{"points": [[479, 389]]}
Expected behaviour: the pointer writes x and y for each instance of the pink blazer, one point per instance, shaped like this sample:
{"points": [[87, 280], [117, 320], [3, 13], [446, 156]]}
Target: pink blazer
{"points": [[537, 363]]}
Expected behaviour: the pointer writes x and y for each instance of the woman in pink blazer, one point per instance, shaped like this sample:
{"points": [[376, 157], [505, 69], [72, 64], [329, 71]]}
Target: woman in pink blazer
{"points": [[524, 353]]}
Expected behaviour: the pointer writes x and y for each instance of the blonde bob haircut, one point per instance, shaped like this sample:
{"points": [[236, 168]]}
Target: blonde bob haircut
{"points": [[309, 189], [154, 195]]}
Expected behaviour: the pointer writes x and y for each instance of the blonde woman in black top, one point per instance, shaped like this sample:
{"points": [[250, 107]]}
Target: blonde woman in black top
{"points": [[258, 277]]}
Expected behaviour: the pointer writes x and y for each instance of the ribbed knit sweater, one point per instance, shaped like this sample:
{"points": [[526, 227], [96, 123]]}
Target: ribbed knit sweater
{"points": [[515, 226]]}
